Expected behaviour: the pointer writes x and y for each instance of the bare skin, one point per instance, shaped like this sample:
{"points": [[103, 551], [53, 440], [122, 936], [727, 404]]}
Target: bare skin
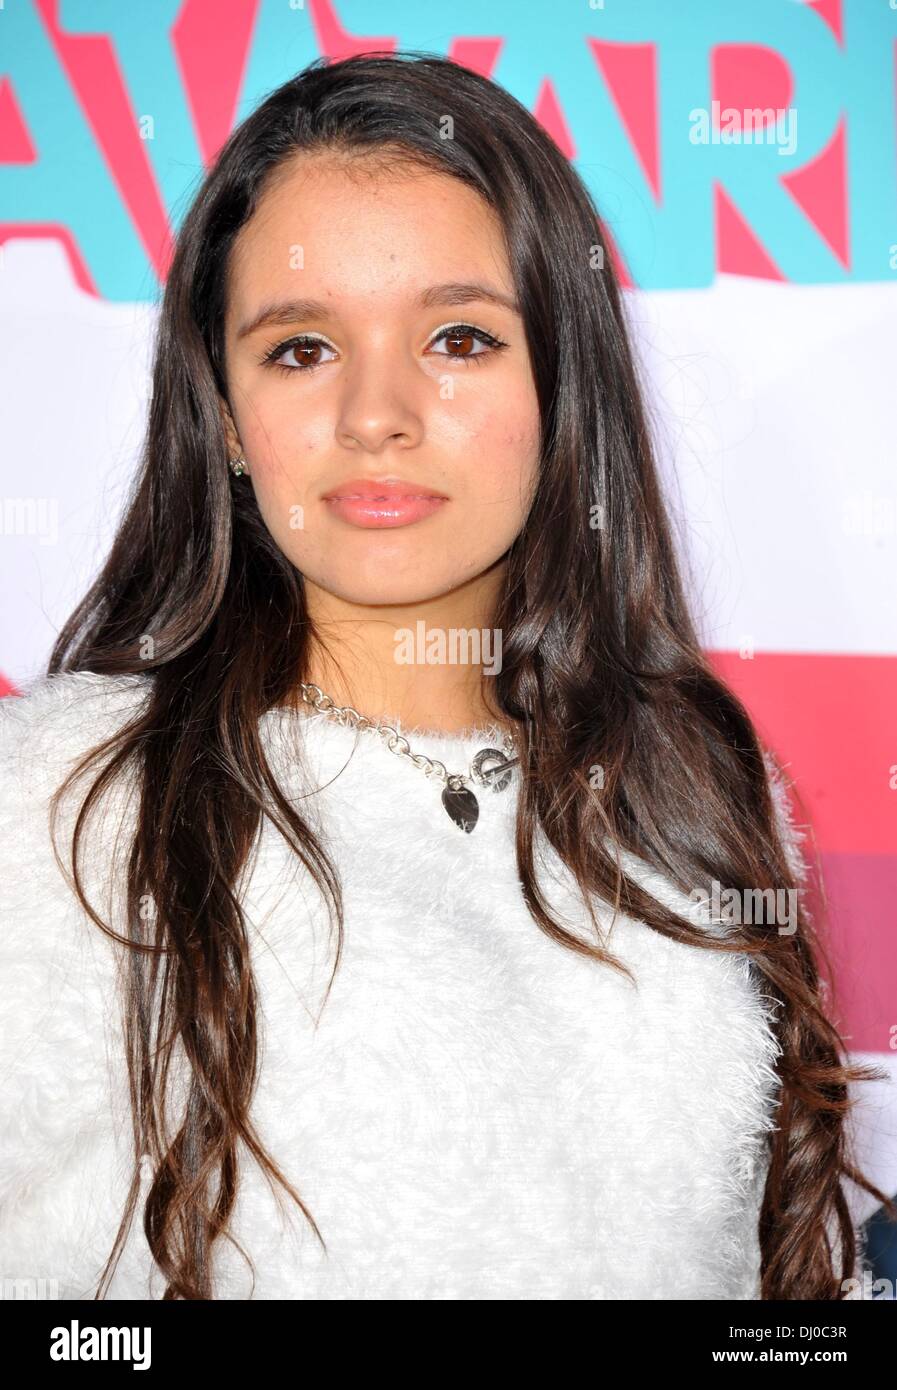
{"points": [[391, 395]]}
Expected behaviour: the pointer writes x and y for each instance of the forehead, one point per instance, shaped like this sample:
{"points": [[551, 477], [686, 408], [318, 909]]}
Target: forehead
{"points": [[360, 230]]}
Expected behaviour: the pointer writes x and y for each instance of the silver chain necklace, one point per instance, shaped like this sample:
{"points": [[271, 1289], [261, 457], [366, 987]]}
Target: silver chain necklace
{"points": [[457, 798]]}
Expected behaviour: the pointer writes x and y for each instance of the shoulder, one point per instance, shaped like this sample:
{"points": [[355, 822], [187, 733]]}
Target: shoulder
{"points": [[47, 729], [69, 704], [58, 967], [45, 733], [792, 835]]}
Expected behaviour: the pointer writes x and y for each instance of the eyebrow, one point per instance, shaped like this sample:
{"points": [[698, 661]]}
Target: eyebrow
{"points": [[284, 312]]}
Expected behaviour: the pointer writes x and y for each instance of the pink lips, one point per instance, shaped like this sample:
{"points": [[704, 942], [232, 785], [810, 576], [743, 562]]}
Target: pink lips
{"points": [[369, 504]]}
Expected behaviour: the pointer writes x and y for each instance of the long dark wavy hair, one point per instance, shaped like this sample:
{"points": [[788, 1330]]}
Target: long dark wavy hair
{"points": [[601, 665]]}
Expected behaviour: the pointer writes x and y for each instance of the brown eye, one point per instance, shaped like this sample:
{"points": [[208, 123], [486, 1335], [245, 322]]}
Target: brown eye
{"points": [[306, 354], [464, 341], [459, 344], [302, 354]]}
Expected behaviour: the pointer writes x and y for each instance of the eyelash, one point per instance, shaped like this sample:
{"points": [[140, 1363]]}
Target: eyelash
{"points": [[453, 330]]}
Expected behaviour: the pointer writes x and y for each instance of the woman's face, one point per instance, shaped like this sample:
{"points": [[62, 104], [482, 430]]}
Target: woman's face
{"points": [[398, 378]]}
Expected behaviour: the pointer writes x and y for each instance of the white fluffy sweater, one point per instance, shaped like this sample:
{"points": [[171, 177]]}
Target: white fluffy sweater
{"points": [[477, 1113]]}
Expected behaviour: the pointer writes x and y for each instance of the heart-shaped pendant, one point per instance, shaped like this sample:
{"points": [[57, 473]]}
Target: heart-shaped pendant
{"points": [[462, 806]]}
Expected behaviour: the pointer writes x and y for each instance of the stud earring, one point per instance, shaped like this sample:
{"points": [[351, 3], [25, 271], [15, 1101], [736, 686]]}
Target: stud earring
{"points": [[238, 466]]}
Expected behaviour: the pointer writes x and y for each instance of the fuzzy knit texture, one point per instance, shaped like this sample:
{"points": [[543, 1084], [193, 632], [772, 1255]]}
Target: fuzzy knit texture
{"points": [[476, 1113]]}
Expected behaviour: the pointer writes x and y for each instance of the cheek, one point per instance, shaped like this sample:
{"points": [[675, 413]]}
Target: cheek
{"points": [[505, 459], [282, 454], [274, 423], [503, 420]]}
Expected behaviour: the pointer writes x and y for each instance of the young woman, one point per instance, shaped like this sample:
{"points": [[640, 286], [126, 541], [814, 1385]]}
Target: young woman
{"points": [[370, 950]]}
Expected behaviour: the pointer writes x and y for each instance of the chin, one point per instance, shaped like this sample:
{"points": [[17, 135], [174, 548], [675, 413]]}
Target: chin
{"points": [[387, 590]]}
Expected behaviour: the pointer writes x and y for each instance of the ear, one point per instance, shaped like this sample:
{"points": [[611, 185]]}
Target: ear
{"points": [[234, 448]]}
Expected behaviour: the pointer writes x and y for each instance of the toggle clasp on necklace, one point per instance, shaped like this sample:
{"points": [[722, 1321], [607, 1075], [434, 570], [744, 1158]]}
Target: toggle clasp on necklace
{"points": [[498, 775]]}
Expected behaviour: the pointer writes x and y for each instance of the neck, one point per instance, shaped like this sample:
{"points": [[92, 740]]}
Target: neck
{"points": [[428, 665]]}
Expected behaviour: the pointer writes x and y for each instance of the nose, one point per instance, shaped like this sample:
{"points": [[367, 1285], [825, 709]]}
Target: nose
{"points": [[381, 401]]}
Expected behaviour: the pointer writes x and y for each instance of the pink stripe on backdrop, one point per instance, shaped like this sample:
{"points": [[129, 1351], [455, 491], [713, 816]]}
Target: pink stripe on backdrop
{"points": [[862, 894], [833, 721]]}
